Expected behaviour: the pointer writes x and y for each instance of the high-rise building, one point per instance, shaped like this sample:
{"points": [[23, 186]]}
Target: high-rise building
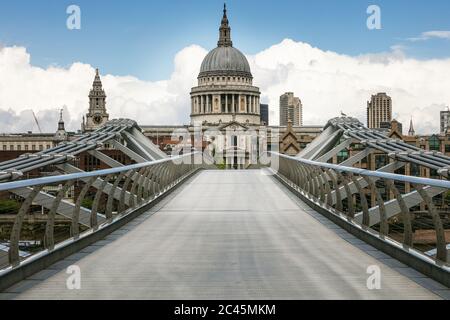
{"points": [[264, 108], [445, 115], [97, 115], [291, 109], [379, 109]]}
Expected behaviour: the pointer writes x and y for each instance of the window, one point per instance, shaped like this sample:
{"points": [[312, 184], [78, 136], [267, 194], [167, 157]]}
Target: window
{"points": [[415, 170], [4, 147], [48, 146], [41, 147], [434, 174], [19, 147], [434, 143], [11, 147], [26, 148], [33, 147], [342, 156], [380, 161], [447, 148]]}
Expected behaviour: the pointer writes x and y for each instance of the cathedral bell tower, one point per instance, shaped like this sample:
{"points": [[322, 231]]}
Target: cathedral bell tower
{"points": [[97, 115], [61, 133]]}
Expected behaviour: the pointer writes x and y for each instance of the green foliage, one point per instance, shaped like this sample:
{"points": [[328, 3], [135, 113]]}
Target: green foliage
{"points": [[87, 203], [9, 206], [221, 166], [447, 197]]}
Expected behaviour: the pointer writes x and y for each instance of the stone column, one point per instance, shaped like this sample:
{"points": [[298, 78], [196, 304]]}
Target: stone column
{"points": [[207, 103], [201, 104], [233, 107], [247, 104], [194, 105], [258, 105], [239, 104], [226, 103], [211, 104], [204, 104], [253, 104]]}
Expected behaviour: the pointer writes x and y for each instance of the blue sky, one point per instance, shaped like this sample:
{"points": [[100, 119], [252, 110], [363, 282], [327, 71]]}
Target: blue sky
{"points": [[141, 37]]}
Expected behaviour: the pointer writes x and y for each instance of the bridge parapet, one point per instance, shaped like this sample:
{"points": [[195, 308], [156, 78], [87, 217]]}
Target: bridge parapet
{"points": [[98, 199], [415, 221], [123, 134]]}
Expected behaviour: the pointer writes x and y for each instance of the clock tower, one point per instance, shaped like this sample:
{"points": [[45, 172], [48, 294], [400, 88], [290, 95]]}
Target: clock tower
{"points": [[97, 115]]}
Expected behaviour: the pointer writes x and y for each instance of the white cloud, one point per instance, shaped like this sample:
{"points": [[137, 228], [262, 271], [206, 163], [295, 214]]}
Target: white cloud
{"points": [[436, 34], [327, 82], [24, 87]]}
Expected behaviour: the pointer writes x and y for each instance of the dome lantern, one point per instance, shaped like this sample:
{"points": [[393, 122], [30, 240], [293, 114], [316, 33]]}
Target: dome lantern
{"points": [[225, 31]]}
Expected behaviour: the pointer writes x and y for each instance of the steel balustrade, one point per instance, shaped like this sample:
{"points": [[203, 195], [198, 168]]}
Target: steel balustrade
{"points": [[114, 132], [140, 183], [347, 190]]}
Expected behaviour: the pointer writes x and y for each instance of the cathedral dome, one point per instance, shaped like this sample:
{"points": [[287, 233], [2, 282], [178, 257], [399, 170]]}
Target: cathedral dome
{"points": [[225, 91], [225, 61]]}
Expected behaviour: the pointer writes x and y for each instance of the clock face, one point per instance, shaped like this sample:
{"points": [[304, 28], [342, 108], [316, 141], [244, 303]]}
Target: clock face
{"points": [[97, 119]]}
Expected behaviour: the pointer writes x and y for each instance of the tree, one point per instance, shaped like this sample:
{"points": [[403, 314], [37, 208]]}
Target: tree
{"points": [[9, 206], [87, 203]]}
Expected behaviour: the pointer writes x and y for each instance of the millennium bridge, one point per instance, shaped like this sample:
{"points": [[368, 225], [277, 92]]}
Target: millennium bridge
{"points": [[178, 228]]}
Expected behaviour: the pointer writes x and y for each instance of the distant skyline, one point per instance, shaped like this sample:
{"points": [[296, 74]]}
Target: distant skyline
{"points": [[149, 54], [140, 38]]}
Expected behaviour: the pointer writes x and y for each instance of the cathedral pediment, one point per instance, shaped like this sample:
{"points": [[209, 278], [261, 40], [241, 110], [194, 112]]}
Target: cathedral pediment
{"points": [[234, 126]]}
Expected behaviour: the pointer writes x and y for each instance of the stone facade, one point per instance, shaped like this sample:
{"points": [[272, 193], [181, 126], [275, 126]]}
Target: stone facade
{"points": [[27, 142]]}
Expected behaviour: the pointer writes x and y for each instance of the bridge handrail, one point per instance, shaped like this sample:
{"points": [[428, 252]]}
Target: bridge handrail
{"points": [[369, 173], [346, 191], [111, 193], [6, 186]]}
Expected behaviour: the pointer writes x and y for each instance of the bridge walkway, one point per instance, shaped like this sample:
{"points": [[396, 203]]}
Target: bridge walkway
{"points": [[229, 235]]}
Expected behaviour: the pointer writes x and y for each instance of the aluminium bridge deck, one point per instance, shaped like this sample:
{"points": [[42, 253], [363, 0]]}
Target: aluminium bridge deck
{"points": [[228, 235]]}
